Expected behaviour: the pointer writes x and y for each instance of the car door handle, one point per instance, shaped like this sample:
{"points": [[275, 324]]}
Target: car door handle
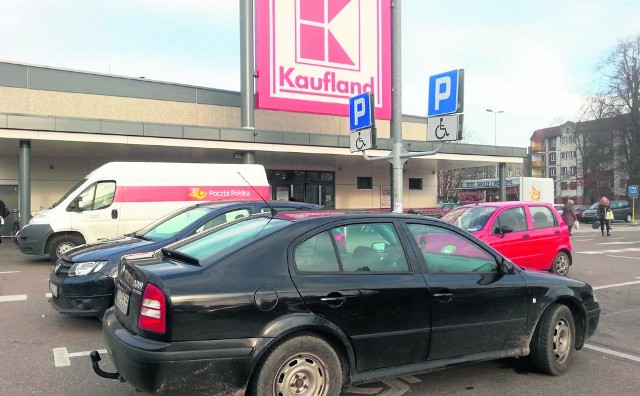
{"points": [[557, 232], [525, 236], [444, 297], [334, 301]]}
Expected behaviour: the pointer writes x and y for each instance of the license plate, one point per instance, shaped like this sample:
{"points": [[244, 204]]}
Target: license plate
{"points": [[54, 289], [122, 301]]}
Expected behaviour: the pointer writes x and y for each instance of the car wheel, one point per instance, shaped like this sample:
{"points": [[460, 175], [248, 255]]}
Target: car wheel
{"points": [[627, 218], [560, 265], [60, 244], [553, 340], [300, 365]]}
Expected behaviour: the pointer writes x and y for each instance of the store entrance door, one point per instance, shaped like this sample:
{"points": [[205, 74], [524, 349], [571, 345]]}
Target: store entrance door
{"points": [[312, 187]]}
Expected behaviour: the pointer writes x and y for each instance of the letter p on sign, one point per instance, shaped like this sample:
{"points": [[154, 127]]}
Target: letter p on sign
{"points": [[444, 90], [360, 111]]}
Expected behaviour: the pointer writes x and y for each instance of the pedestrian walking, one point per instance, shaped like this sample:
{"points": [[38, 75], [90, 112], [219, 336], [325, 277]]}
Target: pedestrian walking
{"points": [[4, 213], [605, 215], [569, 215]]}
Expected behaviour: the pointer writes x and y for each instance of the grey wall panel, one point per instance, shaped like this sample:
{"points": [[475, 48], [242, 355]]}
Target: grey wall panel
{"points": [[37, 123], [269, 137], [3, 121], [166, 131], [296, 138], [237, 135], [122, 128], [71, 125], [343, 141], [13, 75], [219, 98], [68, 81], [323, 140], [201, 133]]}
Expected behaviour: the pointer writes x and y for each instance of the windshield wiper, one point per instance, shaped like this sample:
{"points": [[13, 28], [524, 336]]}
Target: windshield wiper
{"points": [[175, 255]]}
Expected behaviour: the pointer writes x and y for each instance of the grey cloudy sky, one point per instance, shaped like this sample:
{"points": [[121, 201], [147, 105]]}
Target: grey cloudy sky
{"points": [[535, 60]]}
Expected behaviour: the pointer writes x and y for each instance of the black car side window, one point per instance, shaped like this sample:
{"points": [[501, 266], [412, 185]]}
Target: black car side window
{"points": [[317, 254], [447, 251]]}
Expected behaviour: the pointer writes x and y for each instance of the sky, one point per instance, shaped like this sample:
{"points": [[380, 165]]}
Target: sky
{"points": [[534, 60]]}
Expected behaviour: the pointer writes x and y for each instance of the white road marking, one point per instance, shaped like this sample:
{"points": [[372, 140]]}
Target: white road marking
{"points": [[609, 251], [9, 272], [48, 295], [626, 257], [61, 356], [616, 285], [612, 352], [411, 379], [397, 388], [16, 297], [363, 391]]}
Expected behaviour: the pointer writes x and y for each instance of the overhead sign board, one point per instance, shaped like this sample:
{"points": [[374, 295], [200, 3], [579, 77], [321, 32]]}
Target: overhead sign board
{"points": [[444, 128], [445, 93], [314, 55]]}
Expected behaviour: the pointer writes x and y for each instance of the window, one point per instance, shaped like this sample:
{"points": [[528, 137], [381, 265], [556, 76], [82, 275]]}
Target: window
{"points": [[415, 183], [552, 157], [365, 183], [563, 185], [363, 247], [97, 196], [517, 172], [563, 170], [513, 217], [510, 173], [552, 171], [224, 218], [572, 170], [445, 251], [573, 185], [542, 217], [563, 155]]}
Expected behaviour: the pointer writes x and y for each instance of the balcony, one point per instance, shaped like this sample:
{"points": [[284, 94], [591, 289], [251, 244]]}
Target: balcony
{"points": [[537, 148], [537, 164]]}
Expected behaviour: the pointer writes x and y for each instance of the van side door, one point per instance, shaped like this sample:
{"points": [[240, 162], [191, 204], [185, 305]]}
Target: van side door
{"points": [[94, 212]]}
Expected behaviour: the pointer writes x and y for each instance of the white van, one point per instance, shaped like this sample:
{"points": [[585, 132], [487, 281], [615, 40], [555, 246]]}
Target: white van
{"points": [[121, 197]]}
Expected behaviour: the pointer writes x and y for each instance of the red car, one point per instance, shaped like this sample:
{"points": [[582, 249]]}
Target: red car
{"points": [[531, 234]]}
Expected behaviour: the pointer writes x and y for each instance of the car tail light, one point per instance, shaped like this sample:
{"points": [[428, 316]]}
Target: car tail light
{"points": [[153, 312]]}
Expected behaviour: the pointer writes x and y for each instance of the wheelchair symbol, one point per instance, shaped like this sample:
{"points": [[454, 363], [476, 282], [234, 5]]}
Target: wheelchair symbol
{"points": [[441, 128], [359, 142]]}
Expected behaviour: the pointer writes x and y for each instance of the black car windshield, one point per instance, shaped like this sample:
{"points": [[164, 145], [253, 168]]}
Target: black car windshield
{"points": [[235, 236], [470, 218], [170, 225]]}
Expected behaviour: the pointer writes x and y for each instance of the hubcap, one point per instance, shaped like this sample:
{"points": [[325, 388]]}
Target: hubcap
{"points": [[302, 374], [562, 265], [561, 341], [64, 247]]}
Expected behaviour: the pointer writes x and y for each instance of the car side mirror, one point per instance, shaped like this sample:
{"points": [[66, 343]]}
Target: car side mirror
{"points": [[507, 267], [74, 206], [505, 229]]}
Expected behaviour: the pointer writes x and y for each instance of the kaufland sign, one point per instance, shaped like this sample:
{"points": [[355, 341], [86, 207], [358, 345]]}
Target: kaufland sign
{"points": [[313, 55]]}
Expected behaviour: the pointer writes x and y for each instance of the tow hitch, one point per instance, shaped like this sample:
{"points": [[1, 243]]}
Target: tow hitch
{"points": [[95, 359]]}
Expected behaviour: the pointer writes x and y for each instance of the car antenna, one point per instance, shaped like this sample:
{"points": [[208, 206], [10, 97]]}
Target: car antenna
{"points": [[273, 212]]}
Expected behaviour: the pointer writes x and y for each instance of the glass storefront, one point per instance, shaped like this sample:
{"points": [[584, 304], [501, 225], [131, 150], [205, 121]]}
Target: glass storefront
{"points": [[316, 187]]}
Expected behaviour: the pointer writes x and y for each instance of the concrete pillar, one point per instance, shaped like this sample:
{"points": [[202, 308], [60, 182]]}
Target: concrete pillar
{"points": [[24, 182]]}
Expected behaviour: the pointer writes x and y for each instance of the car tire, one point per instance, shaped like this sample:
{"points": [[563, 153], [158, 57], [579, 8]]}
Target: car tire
{"points": [[627, 218], [553, 341], [561, 263], [302, 364], [61, 243]]}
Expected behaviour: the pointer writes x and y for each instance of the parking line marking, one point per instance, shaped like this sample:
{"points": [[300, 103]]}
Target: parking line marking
{"points": [[16, 297], [411, 379], [48, 295], [61, 357], [616, 285], [612, 352], [627, 257], [397, 388], [363, 391], [9, 272]]}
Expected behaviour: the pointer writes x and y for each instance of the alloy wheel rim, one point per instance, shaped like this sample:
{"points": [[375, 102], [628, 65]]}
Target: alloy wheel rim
{"points": [[301, 374], [561, 340], [562, 265]]}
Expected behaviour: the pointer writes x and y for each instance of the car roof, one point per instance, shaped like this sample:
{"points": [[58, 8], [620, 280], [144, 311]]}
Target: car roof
{"points": [[333, 215], [216, 204], [504, 204]]}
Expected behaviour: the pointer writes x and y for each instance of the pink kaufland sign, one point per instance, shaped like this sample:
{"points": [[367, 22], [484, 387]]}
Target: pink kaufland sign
{"points": [[313, 55]]}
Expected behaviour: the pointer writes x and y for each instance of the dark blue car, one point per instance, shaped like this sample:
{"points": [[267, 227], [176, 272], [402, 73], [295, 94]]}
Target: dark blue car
{"points": [[81, 283]]}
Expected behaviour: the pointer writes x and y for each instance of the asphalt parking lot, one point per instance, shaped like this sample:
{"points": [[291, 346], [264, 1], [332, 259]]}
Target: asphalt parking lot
{"points": [[44, 352]]}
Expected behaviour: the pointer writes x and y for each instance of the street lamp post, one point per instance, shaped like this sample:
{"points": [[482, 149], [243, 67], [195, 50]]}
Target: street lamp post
{"points": [[495, 125]]}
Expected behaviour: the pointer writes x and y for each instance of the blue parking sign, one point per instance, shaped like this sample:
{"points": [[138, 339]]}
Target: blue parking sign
{"points": [[632, 191], [443, 93], [360, 116]]}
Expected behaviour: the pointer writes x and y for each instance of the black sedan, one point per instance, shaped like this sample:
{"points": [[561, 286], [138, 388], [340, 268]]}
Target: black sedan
{"points": [[81, 283], [309, 303]]}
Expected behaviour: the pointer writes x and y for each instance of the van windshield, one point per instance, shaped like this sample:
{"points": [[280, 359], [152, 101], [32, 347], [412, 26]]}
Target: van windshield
{"points": [[71, 191]]}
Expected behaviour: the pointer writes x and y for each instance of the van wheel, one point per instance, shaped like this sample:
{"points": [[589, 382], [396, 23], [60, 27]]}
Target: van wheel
{"points": [[561, 263], [60, 244], [627, 218], [553, 341], [300, 365]]}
